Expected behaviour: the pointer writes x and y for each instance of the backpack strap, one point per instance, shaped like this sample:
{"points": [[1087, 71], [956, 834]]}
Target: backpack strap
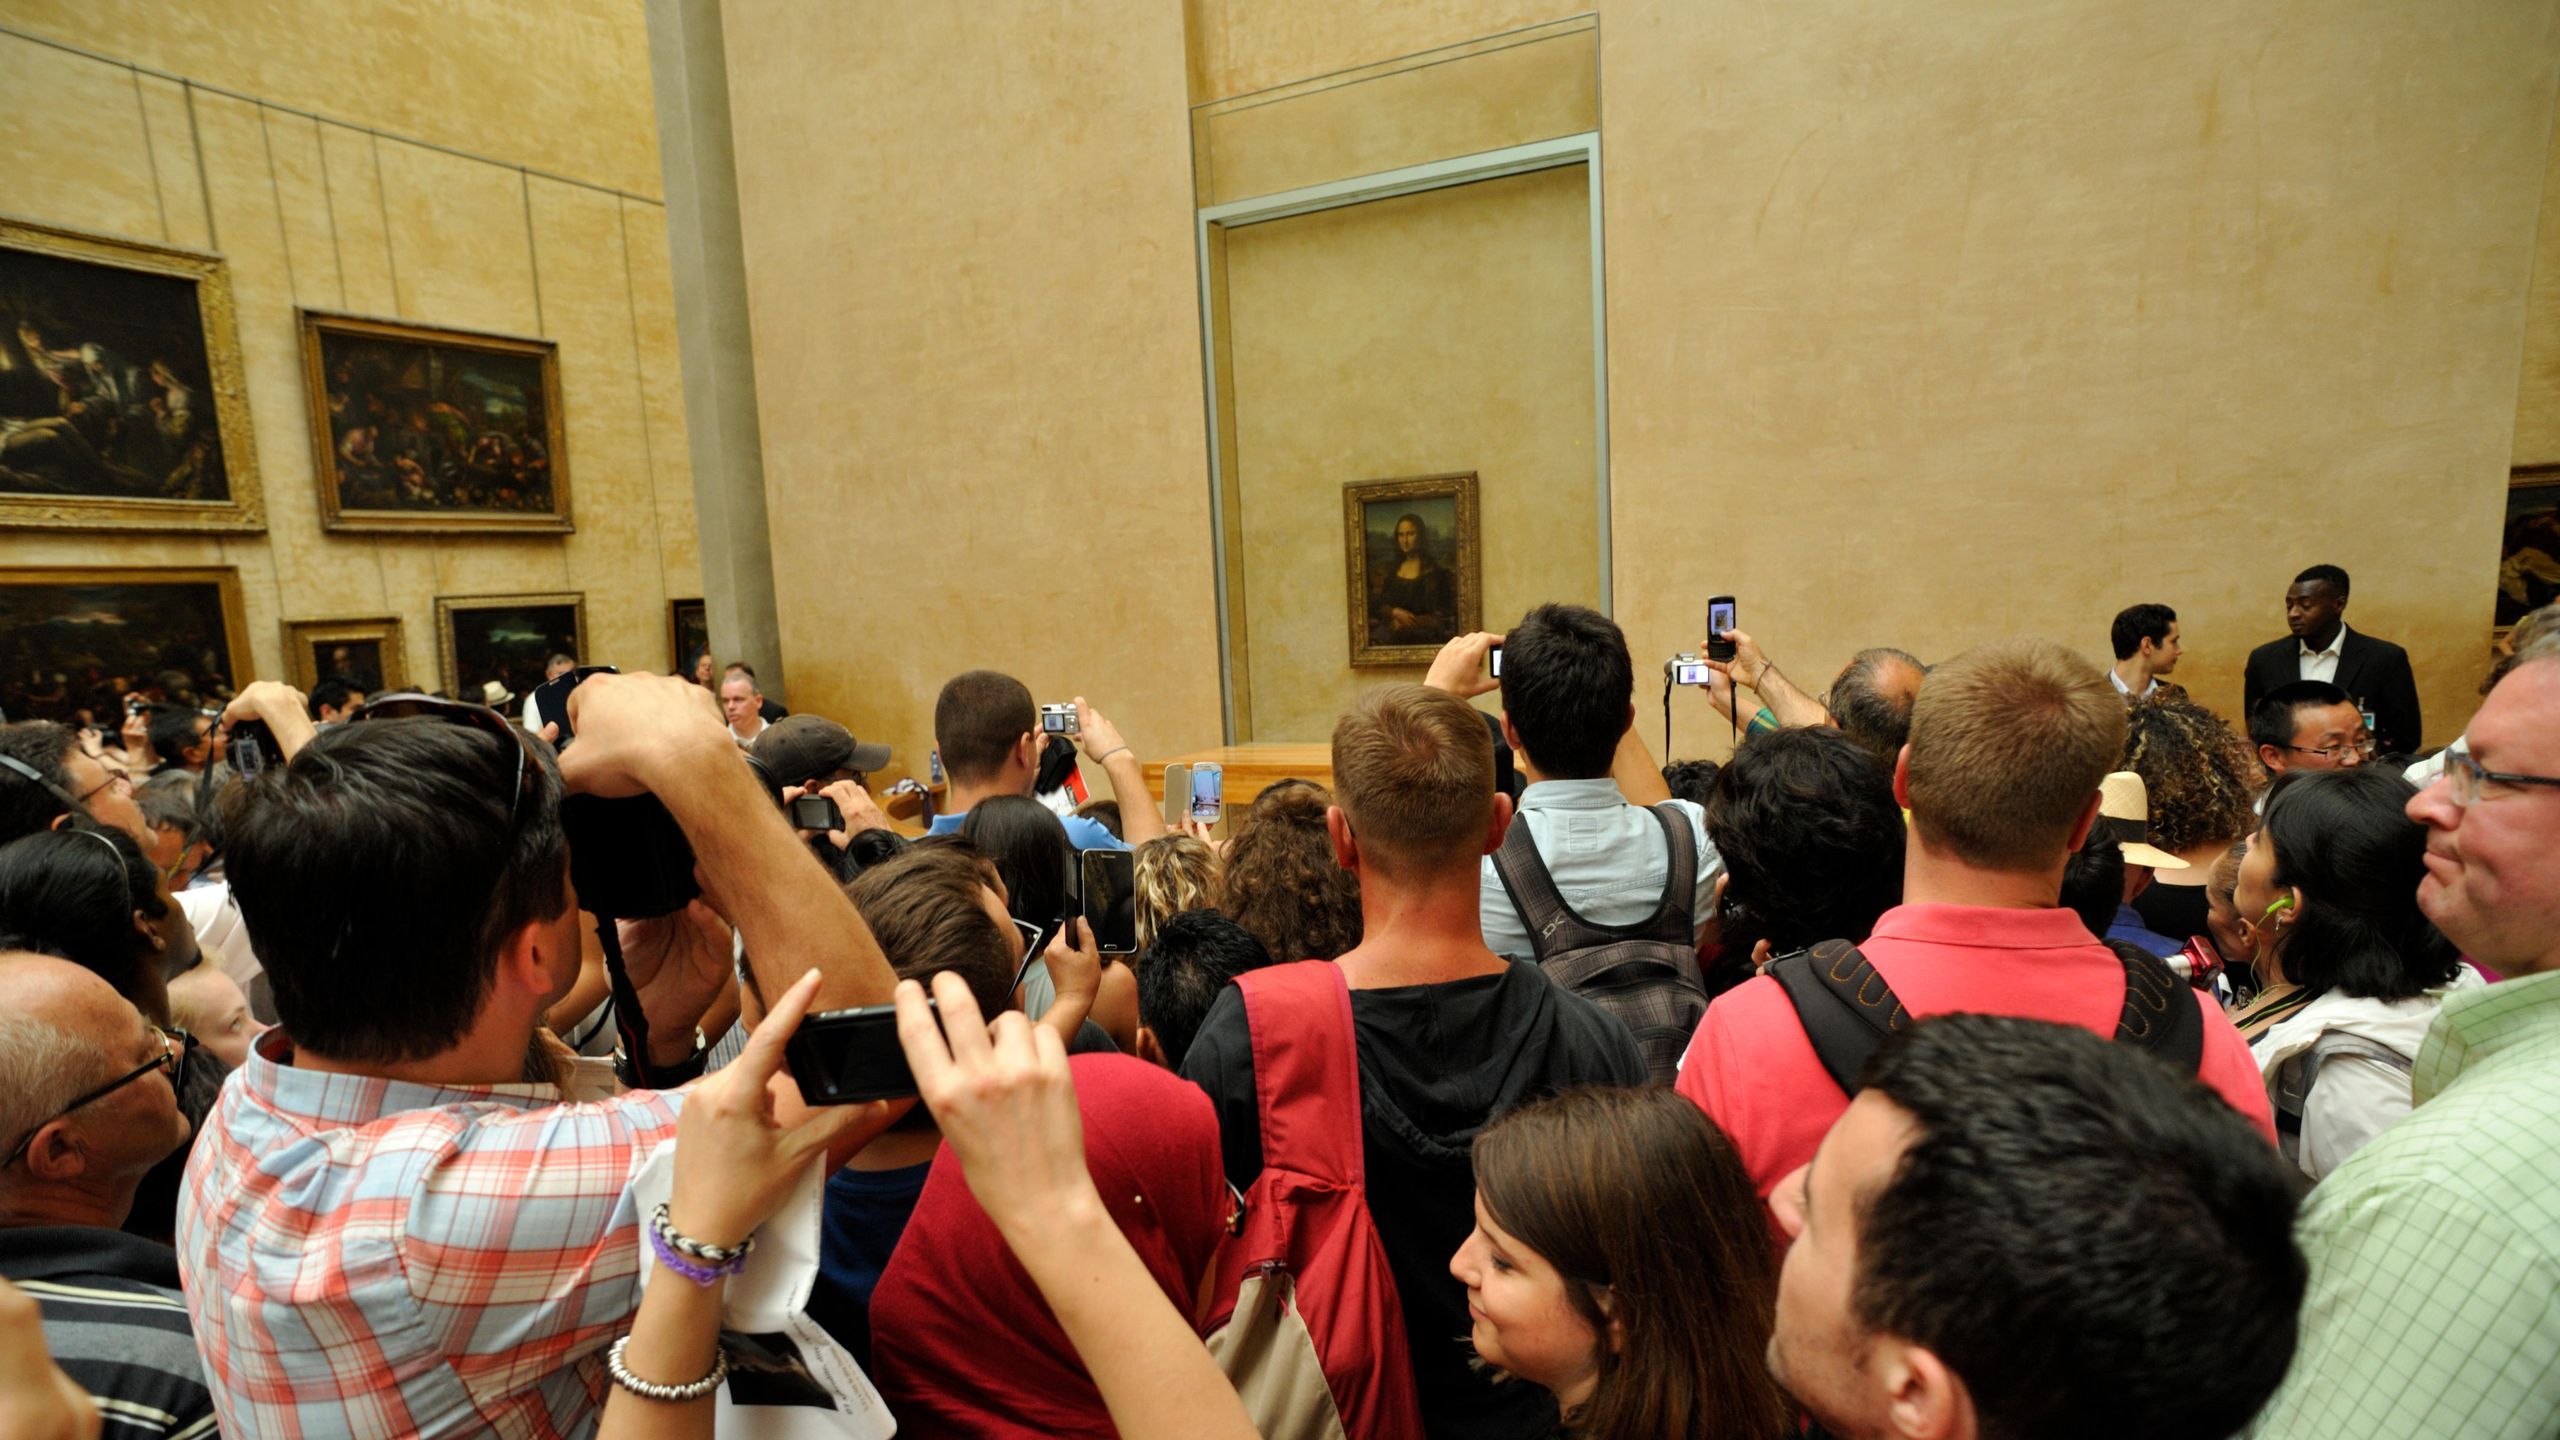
{"points": [[1555, 927], [2160, 1013], [1844, 1005], [1306, 1068]]}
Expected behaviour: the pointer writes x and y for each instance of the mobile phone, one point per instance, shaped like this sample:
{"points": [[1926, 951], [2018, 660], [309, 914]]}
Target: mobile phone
{"points": [[1109, 887], [1059, 720], [816, 812], [1719, 620], [846, 1057], [1687, 669], [1493, 658], [1177, 794], [1208, 793], [551, 698]]}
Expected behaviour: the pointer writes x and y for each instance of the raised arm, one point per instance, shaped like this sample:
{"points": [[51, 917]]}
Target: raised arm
{"points": [[1751, 669], [1140, 819]]}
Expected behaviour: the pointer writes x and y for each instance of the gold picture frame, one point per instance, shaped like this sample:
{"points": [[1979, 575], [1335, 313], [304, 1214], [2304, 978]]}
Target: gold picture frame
{"points": [[475, 646], [1444, 599], [421, 429], [213, 449], [2531, 528], [70, 635], [305, 641]]}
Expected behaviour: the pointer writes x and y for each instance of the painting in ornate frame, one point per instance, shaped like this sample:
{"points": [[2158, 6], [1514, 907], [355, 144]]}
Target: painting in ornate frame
{"points": [[506, 638], [120, 386], [688, 634], [2529, 544], [1425, 524], [367, 651], [417, 428], [83, 637]]}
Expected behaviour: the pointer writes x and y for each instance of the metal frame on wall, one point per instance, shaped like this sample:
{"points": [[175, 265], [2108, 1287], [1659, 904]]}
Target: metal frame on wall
{"points": [[1582, 149]]}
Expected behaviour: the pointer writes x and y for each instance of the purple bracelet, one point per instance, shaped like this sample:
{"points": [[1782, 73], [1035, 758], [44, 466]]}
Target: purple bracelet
{"points": [[694, 1270]]}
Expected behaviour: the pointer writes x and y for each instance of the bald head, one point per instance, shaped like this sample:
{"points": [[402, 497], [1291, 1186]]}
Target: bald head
{"points": [[1871, 701]]}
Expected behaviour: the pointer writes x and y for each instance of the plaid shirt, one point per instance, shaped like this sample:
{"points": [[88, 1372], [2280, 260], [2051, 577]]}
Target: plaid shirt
{"points": [[374, 1257], [2434, 1307]]}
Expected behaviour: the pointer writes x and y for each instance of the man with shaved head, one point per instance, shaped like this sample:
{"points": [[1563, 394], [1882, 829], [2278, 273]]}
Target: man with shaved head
{"points": [[88, 1104]]}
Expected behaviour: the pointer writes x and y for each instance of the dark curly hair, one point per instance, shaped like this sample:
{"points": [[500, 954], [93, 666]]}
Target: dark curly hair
{"points": [[1281, 882], [2202, 777], [1810, 834]]}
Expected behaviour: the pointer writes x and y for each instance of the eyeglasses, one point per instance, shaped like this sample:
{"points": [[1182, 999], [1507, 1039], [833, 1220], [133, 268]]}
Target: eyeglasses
{"points": [[175, 1047], [2361, 746], [117, 780], [2466, 776], [409, 705]]}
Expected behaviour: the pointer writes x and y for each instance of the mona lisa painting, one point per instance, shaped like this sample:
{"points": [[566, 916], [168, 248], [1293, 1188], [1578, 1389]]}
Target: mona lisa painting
{"points": [[1413, 566]]}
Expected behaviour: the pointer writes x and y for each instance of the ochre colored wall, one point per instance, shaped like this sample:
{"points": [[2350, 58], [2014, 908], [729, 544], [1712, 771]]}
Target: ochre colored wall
{"points": [[977, 343], [327, 216], [1449, 330], [1926, 323]]}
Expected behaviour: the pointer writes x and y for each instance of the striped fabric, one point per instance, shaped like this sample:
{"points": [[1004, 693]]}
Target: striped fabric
{"points": [[374, 1257], [115, 1324], [2434, 1307]]}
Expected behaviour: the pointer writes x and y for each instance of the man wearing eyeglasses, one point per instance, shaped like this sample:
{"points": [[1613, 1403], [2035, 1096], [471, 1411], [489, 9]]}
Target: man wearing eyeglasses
{"points": [[88, 1104], [2309, 725], [2434, 1306]]}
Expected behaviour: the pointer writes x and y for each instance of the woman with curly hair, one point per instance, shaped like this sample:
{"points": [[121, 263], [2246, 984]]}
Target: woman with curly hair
{"points": [[1281, 881], [1174, 873], [2203, 781]]}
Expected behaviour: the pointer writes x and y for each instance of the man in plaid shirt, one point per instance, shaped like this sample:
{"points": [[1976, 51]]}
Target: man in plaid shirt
{"points": [[390, 1226], [2434, 1307]]}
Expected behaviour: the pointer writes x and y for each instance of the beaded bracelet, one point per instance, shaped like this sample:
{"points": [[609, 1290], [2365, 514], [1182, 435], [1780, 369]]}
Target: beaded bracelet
{"points": [[651, 1389], [665, 1229], [696, 1271]]}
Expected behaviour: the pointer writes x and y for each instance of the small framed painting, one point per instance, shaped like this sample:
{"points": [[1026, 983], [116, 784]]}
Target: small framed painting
{"points": [[121, 400], [689, 640], [2529, 550], [494, 647], [76, 643], [420, 429], [1413, 565], [367, 652]]}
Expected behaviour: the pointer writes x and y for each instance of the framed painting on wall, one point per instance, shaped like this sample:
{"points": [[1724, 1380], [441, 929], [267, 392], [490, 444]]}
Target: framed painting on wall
{"points": [[1413, 566], [688, 637], [367, 652], [415, 428], [121, 406], [502, 641], [2529, 550], [77, 642]]}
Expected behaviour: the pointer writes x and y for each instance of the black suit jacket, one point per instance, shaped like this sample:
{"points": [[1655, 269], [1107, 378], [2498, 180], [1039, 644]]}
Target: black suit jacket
{"points": [[2375, 673]]}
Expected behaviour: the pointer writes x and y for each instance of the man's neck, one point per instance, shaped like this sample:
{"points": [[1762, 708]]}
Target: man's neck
{"points": [[1932, 877], [962, 796], [77, 1203], [2316, 644], [491, 1054], [752, 732], [1422, 930], [2135, 672]]}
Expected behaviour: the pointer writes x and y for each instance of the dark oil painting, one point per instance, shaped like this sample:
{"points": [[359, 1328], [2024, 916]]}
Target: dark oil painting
{"points": [[507, 640], [422, 429], [75, 647], [105, 388]]}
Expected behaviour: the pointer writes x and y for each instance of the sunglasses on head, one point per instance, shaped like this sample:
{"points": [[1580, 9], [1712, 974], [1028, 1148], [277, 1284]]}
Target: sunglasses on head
{"points": [[409, 705]]}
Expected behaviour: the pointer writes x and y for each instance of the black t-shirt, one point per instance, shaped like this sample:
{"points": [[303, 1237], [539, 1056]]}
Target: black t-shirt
{"points": [[1437, 1063], [2177, 911]]}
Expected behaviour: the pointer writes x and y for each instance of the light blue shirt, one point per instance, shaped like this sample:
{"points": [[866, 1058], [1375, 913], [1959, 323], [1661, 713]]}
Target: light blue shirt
{"points": [[1082, 833], [1607, 857]]}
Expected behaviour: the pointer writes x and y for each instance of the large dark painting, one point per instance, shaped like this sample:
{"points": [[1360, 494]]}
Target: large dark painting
{"points": [[421, 429], [2529, 557], [1412, 561], [119, 387], [505, 640], [76, 644]]}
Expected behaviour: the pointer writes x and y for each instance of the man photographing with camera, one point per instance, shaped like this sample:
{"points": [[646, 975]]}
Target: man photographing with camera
{"points": [[395, 1223]]}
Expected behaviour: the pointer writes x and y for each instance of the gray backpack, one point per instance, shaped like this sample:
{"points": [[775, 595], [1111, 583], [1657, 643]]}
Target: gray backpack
{"points": [[1645, 974]]}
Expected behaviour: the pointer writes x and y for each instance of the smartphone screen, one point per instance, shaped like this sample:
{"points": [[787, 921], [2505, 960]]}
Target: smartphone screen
{"points": [[1693, 673], [1208, 793], [845, 1057], [1177, 794], [1110, 884]]}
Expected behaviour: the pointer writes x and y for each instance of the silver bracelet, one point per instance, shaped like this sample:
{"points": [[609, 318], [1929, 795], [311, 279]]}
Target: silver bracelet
{"points": [[652, 1390]]}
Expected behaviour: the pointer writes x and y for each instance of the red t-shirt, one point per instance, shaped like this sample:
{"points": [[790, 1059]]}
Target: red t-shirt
{"points": [[1752, 1070]]}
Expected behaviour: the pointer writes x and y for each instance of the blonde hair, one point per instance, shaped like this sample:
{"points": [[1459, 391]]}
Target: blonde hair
{"points": [[2008, 744], [1413, 771], [1175, 873]]}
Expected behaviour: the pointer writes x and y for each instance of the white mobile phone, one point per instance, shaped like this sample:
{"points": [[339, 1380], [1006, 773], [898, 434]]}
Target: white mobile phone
{"points": [[1208, 793], [1177, 795]]}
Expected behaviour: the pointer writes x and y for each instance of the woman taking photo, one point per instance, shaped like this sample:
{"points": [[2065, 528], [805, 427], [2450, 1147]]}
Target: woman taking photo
{"points": [[2330, 884]]}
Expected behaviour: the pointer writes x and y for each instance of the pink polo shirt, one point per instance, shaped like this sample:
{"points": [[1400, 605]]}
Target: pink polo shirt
{"points": [[1752, 1070]]}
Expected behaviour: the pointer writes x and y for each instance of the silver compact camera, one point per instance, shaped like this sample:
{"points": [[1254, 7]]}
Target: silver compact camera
{"points": [[1058, 720], [1687, 669]]}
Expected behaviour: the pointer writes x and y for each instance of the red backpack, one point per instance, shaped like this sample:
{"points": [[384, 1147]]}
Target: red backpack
{"points": [[1306, 1320]]}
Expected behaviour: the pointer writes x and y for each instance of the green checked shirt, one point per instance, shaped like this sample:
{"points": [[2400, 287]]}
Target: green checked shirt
{"points": [[2434, 1307]]}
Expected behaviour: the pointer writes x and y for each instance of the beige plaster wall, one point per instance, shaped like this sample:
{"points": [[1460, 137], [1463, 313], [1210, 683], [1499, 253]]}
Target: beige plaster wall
{"points": [[1449, 330], [325, 215], [977, 345], [2538, 389]]}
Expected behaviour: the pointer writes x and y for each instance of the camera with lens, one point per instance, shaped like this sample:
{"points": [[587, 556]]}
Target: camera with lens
{"points": [[1059, 720]]}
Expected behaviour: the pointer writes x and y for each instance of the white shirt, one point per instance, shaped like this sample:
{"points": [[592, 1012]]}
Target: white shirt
{"points": [[1606, 855], [2322, 665], [2127, 690]]}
